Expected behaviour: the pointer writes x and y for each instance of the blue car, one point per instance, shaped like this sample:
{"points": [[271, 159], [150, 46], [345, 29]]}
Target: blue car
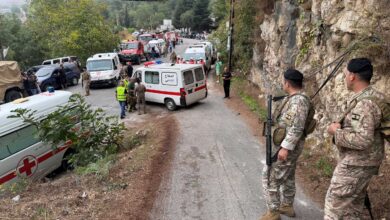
{"points": [[47, 76]]}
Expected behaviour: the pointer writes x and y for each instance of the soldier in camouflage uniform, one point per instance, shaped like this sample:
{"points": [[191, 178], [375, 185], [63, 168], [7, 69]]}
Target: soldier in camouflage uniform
{"points": [[360, 146], [279, 189]]}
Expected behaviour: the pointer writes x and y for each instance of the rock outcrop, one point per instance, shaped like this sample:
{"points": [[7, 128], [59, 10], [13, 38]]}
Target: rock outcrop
{"points": [[308, 34]]}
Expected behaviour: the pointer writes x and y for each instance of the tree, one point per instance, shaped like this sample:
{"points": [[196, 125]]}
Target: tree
{"points": [[219, 9], [181, 7], [72, 27], [201, 15]]}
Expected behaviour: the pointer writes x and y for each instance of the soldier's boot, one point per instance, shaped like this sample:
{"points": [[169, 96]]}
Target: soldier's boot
{"points": [[271, 215], [287, 210]]}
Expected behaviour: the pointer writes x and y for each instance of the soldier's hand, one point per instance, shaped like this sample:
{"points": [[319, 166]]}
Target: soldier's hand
{"points": [[333, 127], [283, 153]]}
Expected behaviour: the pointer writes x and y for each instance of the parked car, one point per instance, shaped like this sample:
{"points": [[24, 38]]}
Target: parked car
{"points": [[173, 85], [47, 76], [34, 69], [11, 82], [22, 153]]}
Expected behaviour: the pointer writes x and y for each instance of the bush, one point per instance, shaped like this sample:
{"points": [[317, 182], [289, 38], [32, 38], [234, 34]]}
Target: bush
{"points": [[95, 135]]}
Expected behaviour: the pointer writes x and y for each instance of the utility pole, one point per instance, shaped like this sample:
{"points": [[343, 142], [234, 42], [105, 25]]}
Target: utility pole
{"points": [[231, 32]]}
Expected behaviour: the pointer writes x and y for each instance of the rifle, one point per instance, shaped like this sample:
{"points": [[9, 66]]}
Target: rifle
{"points": [[267, 132]]}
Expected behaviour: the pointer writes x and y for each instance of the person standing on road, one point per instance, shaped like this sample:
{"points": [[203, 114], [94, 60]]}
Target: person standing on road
{"points": [[279, 179], [121, 98], [123, 72], [140, 93], [218, 66], [62, 77], [131, 98], [360, 145], [173, 57], [86, 81], [129, 70], [32, 83], [227, 76]]}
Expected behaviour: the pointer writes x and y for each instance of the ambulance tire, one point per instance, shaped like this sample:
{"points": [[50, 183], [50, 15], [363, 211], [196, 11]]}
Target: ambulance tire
{"points": [[65, 165], [170, 104]]}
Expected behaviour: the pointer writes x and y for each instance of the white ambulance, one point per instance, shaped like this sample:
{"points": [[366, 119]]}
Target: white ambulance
{"points": [[22, 153], [173, 84], [104, 68]]}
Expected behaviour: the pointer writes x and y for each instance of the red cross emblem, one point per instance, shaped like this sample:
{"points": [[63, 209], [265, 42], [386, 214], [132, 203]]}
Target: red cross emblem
{"points": [[27, 166]]}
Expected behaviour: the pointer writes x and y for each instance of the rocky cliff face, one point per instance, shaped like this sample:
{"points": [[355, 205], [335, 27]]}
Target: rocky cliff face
{"points": [[308, 34]]}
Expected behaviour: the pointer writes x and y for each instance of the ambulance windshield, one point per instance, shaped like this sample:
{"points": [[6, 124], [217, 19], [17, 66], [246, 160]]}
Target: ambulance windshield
{"points": [[99, 65]]}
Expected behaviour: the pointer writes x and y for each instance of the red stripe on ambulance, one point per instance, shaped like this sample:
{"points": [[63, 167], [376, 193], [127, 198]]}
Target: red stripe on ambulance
{"points": [[40, 159], [200, 88], [163, 92]]}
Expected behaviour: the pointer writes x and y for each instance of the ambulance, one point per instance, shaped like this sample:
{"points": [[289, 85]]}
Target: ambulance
{"points": [[104, 68], [173, 84], [22, 153]]}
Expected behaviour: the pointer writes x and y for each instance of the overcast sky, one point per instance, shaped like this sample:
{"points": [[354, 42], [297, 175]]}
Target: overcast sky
{"points": [[11, 2]]}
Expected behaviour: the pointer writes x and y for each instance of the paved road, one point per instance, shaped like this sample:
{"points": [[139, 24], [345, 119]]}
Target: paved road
{"points": [[217, 163], [105, 97], [216, 168]]}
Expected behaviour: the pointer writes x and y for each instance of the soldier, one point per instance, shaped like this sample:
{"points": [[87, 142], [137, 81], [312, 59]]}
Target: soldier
{"points": [[360, 145], [140, 93], [290, 119], [86, 80], [123, 73], [131, 98], [173, 57]]}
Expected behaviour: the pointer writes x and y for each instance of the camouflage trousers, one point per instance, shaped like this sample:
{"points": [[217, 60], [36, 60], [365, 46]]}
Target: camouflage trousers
{"points": [[346, 193], [281, 185]]}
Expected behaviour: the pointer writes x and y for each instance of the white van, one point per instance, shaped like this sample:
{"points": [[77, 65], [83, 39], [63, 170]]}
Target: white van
{"points": [[104, 68], [213, 52], [198, 53], [173, 84], [22, 153], [62, 60]]}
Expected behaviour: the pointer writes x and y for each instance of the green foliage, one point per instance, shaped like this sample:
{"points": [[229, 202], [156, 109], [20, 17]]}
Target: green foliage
{"points": [[249, 101], [219, 9], [73, 27], [325, 166], [201, 16], [93, 138], [14, 188], [100, 168], [244, 35]]}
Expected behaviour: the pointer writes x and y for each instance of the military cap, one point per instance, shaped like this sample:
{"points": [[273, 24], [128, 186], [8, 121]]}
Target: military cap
{"points": [[362, 67], [293, 75]]}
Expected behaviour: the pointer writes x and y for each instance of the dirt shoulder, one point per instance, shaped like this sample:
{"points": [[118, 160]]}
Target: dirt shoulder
{"points": [[314, 169], [126, 192]]}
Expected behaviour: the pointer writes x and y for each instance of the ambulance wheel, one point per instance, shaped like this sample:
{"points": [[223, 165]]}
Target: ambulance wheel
{"points": [[170, 104]]}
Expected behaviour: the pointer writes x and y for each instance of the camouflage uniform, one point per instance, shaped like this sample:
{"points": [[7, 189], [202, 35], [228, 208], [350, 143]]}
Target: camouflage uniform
{"points": [[86, 81], [361, 151], [140, 93], [131, 99], [282, 173]]}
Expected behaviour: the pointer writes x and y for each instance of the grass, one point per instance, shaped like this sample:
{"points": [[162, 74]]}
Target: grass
{"points": [[250, 101], [324, 166]]}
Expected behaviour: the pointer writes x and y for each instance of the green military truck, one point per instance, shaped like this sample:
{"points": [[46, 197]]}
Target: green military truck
{"points": [[11, 82]]}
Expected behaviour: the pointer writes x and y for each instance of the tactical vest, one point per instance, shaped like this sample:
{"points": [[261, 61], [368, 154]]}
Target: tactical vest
{"points": [[384, 106], [279, 133], [86, 76], [120, 93]]}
